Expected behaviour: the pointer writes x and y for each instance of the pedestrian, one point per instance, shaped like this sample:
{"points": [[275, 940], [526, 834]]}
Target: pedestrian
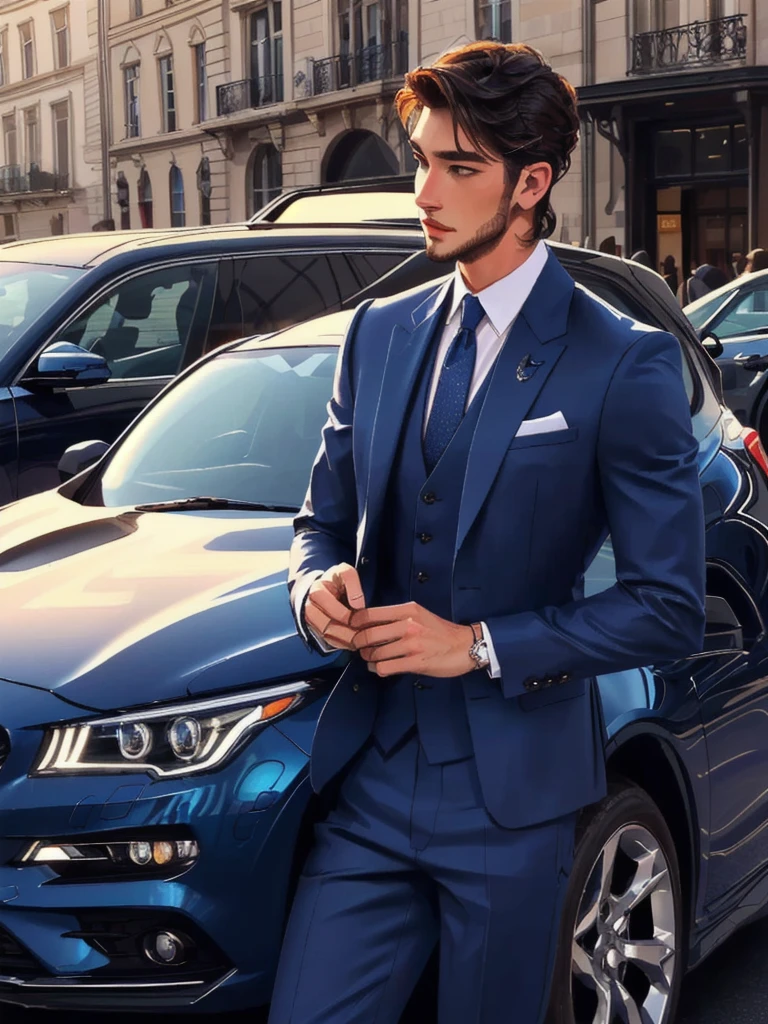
{"points": [[738, 264], [704, 280], [485, 434], [670, 273], [757, 259], [683, 296]]}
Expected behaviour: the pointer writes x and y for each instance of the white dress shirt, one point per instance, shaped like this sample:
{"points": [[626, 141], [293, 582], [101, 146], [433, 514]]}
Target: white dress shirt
{"points": [[502, 302]]}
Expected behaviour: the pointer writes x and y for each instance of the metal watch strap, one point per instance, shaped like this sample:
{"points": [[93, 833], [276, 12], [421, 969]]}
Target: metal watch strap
{"points": [[480, 660]]}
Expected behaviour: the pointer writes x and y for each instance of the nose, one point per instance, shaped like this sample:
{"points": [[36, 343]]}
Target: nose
{"points": [[426, 191]]}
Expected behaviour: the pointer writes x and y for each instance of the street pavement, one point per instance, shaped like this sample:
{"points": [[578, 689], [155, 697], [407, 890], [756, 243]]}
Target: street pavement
{"points": [[730, 988]]}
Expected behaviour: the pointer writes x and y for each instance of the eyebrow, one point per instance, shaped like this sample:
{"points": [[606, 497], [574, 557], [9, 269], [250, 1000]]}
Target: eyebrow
{"points": [[468, 156]]}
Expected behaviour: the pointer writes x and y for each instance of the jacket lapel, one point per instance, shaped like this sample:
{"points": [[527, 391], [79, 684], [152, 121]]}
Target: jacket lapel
{"points": [[408, 347], [530, 341]]}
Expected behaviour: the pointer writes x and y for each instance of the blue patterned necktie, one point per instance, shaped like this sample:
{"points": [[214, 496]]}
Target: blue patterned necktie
{"points": [[453, 385]]}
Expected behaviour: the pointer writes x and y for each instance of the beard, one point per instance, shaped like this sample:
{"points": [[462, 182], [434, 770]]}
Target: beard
{"points": [[487, 236]]}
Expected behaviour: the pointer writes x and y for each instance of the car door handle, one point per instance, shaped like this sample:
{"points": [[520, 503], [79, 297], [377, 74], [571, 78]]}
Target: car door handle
{"points": [[723, 633]]}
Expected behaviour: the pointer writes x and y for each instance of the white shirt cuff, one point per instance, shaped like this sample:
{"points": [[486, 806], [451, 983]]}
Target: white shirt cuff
{"points": [[494, 668]]}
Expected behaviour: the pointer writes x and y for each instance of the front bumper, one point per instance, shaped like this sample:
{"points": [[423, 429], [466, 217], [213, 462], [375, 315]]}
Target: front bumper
{"points": [[75, 943]]}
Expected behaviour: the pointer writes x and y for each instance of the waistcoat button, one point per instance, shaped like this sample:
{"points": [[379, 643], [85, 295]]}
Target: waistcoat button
{"points": [[422, 577], [425, 538], [429, 498]]}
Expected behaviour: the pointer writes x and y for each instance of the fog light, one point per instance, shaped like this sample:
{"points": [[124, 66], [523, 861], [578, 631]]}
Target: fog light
{"points": [[184, 736], [134, 740], [187, 849], [164, 948], [163, 852], [140, 853]]}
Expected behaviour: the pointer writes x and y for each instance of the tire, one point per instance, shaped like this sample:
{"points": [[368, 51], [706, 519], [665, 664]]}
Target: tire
{"points": [[597, 971]]}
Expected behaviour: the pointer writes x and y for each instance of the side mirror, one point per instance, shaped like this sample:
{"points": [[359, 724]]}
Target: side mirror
{"points": [[79, 457], [64, 365], [712, 344]]}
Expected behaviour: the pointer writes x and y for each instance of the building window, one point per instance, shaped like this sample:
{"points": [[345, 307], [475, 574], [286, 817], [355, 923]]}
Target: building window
{"points": [[27, 50], [178, 218], [145, 199], [168, 93], [137, 8], [266, 59], [3, 57], [266, 177], [123, 200], [655, 15], [131, 84], [9, 227], [201, 82], [31, 137], [373, 44], [204, 188], [60, 113], [495, 20], [9, 140], [60, 23]]}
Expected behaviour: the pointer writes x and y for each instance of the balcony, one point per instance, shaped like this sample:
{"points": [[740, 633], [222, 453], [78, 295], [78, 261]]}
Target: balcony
{"points": [[368, 64], [248, 93], [701, 44], [13, 182]]}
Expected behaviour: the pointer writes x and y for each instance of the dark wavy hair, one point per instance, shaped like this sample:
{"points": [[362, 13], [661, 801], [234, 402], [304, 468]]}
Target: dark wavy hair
{"points": [[509, 103]]}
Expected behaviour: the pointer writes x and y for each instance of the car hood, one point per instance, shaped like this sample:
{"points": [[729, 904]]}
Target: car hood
{"points": [[113, 608]]}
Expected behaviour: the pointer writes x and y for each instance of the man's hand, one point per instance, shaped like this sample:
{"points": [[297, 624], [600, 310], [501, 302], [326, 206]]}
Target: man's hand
{"points": [[408, 638], [330, 603]]}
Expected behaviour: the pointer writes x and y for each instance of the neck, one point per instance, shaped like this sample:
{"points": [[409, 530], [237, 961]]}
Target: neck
{"points": [[506, 256]]}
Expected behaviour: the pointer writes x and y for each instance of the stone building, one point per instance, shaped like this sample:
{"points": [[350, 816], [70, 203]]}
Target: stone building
{"points": [[50, 168]]}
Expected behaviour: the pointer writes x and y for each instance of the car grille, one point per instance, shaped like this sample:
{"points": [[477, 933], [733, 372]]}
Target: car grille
{"points": [[5, 745], [15, 959]]}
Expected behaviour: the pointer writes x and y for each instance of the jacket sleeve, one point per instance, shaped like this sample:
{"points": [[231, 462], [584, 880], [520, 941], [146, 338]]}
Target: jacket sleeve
{"points": [[326, 524], [647, 458]]}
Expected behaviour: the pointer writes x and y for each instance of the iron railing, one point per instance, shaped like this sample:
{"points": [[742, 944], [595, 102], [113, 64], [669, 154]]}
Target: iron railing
{"points": [[12, 180], [250, 92], [368, 64], [701, 43]]}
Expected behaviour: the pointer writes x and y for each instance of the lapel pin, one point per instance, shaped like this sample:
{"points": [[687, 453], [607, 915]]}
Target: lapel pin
{"points": [[526, 364]]}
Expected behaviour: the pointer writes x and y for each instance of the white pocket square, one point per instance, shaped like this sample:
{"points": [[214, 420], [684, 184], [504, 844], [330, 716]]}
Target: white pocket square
{"points": [[542, 425]]}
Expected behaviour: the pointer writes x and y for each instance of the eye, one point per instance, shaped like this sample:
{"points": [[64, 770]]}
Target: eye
{"points": [[462, 172]]}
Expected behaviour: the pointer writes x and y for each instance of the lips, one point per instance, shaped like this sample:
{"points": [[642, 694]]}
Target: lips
{"points": [[434, 225]]}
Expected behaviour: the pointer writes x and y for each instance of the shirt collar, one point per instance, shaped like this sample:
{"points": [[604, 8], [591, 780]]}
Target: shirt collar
{"points": [[503, 300]]}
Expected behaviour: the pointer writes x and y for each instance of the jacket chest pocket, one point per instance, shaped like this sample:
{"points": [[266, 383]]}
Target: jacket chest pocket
{"points": [[545, 439]]}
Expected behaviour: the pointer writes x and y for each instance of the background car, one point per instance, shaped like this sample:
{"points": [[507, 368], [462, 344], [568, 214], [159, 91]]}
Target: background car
{"points": [[155, 737], [93, 326], [733, 324]]}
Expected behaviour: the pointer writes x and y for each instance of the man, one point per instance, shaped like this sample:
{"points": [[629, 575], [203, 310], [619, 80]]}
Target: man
{"points": [[484, 436]]}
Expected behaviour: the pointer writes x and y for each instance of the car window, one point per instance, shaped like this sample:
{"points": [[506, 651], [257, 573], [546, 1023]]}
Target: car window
{"points": [[143, 325], [245, 426], [267, 293], [26, 292], [620, 300], [747, 315]]}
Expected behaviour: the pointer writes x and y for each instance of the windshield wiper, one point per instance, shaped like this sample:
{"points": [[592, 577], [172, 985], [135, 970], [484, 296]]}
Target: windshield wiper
{"points": [[204, 502]]}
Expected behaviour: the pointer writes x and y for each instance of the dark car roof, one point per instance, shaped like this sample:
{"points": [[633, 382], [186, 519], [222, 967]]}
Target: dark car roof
{"points": [[89, 250]]}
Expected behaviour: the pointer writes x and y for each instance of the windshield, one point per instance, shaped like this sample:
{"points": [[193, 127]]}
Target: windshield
{"points": [[701, 310], [26, 292], [245, 426]]}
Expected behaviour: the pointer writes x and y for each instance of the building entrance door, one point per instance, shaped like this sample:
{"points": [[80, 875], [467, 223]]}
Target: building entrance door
{"points": [[698, 224]]}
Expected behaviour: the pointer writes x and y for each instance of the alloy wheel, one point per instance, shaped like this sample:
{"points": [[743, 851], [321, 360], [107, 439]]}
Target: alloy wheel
{"points": [[623, 955]]}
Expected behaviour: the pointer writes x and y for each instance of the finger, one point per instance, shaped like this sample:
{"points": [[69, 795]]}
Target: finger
{"points": [[322, 599], [378, 616], [385, 634], [340, 636], [397, 650], [397, 666], [348, 580]]}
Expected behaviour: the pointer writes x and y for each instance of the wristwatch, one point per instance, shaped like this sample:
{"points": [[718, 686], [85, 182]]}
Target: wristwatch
{"points": [[478, 652]]}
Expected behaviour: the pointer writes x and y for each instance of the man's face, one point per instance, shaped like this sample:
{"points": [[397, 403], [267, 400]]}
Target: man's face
{"points": [[464, 195]]}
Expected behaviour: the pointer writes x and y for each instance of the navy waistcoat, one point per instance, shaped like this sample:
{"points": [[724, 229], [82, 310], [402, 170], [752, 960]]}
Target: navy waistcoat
{"points": [[415, 563]]}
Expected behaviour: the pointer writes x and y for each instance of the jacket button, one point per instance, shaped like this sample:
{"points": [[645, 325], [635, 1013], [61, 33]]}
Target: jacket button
{"points": [[429, 498], [531, 684], [356, 687], [564, 677], [425, 538], [422, 577], [419, 686], [364, 560]]}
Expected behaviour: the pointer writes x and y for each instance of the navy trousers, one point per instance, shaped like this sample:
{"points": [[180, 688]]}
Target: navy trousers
{"points": [[409, 857]]}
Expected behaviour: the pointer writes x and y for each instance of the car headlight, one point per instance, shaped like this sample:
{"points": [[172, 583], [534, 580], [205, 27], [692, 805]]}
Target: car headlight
{"points": [[178, 739]]}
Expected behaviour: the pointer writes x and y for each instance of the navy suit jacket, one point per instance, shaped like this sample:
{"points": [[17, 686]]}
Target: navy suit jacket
{"points": [[534, 511]]}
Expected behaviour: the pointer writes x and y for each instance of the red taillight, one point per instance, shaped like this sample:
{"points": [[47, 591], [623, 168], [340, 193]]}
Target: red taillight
{"points": [[754, 446]]}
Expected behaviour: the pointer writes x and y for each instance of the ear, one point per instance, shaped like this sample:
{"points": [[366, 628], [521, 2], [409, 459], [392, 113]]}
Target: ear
{"points": [[532, 185]]}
